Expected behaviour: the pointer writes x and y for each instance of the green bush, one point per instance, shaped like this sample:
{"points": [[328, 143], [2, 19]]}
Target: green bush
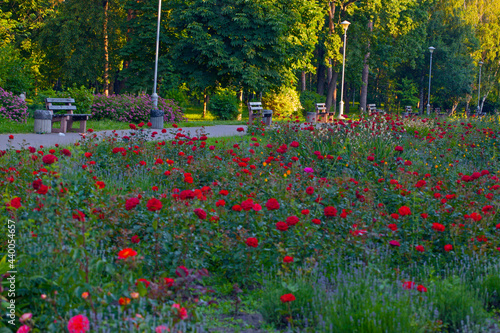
{"points": [[490, 288], [179, 95], [84, 98], [285, 102], [224, 105], [308, 100]]}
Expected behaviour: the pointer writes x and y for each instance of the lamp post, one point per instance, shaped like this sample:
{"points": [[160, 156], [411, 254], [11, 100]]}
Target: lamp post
{"points": [[431, 49], [154, 97], [344, 25], [479, 88]]}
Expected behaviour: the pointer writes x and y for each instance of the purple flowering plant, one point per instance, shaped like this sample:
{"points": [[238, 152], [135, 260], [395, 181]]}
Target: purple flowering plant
{"points": [[12, 107]]}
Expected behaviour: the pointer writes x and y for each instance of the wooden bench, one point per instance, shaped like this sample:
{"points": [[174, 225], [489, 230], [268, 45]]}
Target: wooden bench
{"points": [[321, 114], [439, 112], [409, 111], [372, 109], [68, 117], [255, 110]]}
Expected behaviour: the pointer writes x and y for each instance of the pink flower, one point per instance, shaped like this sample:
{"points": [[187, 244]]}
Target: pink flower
{"points": [[180, 311], [23, 329], [25, 317], [78, 324], [162, 329], [394, 243], [182, 271]]}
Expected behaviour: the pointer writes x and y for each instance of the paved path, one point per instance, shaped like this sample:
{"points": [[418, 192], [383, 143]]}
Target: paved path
{"points": [[48, 140]]}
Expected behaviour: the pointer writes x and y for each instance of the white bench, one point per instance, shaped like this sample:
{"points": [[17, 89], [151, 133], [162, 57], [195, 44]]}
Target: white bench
{"points": [[372, 108], [255, 110]]}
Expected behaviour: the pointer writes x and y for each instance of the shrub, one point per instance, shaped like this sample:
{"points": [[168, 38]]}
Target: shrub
{"points": [[12, 107], [84, 98], [129, 108], [224, 105], [284, 102], [308, 100]]}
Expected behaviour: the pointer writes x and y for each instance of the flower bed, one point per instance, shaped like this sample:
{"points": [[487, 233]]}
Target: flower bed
{"points": [[12, 107], [123, 228]]}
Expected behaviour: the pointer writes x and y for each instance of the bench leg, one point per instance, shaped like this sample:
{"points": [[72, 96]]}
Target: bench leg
{"points": [[83, 126]]}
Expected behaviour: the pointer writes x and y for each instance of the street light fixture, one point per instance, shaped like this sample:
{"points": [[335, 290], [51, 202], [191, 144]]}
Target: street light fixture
{"points": [[154, 97], [431, 49], [479, 88], [345, 25]]}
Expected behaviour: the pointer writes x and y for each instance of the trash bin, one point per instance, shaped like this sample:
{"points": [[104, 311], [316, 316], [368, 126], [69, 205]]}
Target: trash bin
{"points": [[43, 121], [267, 117], [311, 117], [156, 118]]}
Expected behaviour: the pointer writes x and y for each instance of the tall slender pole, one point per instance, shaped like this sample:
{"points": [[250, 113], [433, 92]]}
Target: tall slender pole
{"points": [[479, 88], [154, 97], [345, 25], [431, 49]]}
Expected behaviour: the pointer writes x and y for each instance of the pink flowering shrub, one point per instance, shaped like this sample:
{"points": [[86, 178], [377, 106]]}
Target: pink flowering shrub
{"points": [[12, 107], [130, 108]]}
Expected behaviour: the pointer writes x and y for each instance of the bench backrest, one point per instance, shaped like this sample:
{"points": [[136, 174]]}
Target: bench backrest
{"points": [[66, 104], [437, 109], [408, 108], [372, 107], [321, 107], [254, 107]]}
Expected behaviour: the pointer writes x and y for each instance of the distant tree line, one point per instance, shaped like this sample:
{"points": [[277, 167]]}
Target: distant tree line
{"points": [[258, 46]]}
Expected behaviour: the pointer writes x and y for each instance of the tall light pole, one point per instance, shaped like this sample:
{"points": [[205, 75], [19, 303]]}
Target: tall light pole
{"points": [[154, 97], [431, 49], [344, 25], [479, 88]]}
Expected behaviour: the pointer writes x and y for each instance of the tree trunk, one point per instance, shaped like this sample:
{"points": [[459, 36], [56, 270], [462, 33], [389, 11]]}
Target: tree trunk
{"points": [[205, 103], [422, 102], [365, 74], [106, 53], [331, 97], [303, 79]]}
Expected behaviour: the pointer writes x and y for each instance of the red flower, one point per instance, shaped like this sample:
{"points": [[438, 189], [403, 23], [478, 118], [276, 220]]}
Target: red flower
{"points": [[287, 259], [305, 212], [424, 215], [287, 298], [100, 185], [125, 253], [310, 190], [408, 285], [252, 242], [124, 301], [131, 203], [292, 220], [135, 239], [316, 221], [394, 243], [146, 282], [182, 271], [393, 227], [272, 204], [438, 227], [224, 192], [66, 152], [78, 215], [281, 226], [132, 126], [330, 211], [395, 216], [404, 210], [78, 324], [200, 213], [154, 205], [294, 144], [188, 178], [49, 159], [237, 208], [398, 148], [14, 203], [240, 129], [421, 288], [419, 248], [88, 154], [448, 247], [180, 311], [247, 204], [43, 189], [169, 282]]}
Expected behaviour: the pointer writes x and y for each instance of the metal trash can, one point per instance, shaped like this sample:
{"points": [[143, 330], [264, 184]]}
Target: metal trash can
{"points": [[267, 117], [311, 117], [43, 121], [156, 118]]}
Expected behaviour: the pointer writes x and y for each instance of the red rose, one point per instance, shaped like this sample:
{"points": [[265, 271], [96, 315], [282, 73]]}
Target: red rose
{"points": [[424, 215], [421, 288], [66, 152], [78, 324], [419, 248], [330, 211], [448, 247], [287, 259], [395, 216], [131, 203], [408, 285], [43, 189], [294, 144], [272, 204], [393, 227], [398, 148], [135, 239], [78, 215], [154, 205], [252, 242], [247, 204], [394, 243], [169, 282], [240, 129], [125, 253], [404, 210], [200, 213], [182, 271], [132, 126], [237, 208], [100, 184], [438, 227], [49, 159], [310, 190], [14, 203], [281, 226], [316, 221], [287, 298], [292, 220], [146, 282]]}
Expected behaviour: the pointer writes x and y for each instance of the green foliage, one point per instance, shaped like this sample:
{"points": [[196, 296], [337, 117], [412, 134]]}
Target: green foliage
{"points": [[308, 100], [180, 95], [284, 102], [407, 93], [84, 98], [455, 301], [224, 104], [490, 288], [15, 72]]}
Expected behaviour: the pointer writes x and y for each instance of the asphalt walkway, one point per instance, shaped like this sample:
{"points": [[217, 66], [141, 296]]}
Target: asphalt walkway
{"points": [[49, 140]]}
